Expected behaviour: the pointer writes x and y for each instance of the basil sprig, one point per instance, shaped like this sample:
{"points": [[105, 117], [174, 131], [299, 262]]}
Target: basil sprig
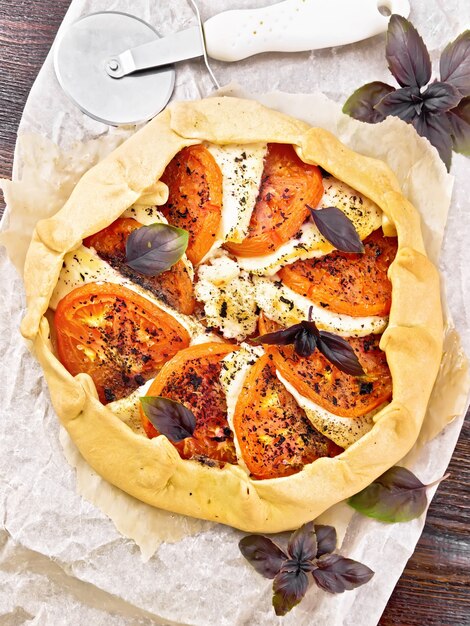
{"points": [[441, 111], [306, 338], [396, 496], [306, 559], [153, 249]]}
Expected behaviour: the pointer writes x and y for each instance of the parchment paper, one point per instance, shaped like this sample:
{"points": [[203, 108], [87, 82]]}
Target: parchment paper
{"points": [[62, 558]]}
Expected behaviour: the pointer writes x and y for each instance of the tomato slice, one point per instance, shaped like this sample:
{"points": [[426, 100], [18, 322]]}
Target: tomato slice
{"points": [[174, 287], [275, 436], [195, 198], [316, 378], [288, 185], [354, 284], [192, 377], [117, 337]]}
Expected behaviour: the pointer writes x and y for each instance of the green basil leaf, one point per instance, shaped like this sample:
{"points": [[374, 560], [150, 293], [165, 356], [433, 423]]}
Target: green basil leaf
{"points": [[153, 249], [361, 104], [396, 496]]}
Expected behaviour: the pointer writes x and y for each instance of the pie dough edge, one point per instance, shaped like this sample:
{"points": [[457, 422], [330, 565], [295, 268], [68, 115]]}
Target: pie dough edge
{"points": [[151, 470]]}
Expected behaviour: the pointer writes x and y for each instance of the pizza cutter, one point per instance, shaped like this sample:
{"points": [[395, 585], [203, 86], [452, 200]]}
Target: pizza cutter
{"points": [[117, 70]]}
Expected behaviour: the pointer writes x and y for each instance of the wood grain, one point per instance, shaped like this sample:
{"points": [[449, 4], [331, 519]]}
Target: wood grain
{"points": [[435, 587]]}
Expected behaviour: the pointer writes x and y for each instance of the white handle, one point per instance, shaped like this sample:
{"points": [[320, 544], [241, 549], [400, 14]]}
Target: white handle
{"points": [[296, 25]]}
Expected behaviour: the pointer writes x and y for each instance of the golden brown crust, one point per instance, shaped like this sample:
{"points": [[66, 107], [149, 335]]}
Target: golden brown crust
{"points": [[152, 470]]}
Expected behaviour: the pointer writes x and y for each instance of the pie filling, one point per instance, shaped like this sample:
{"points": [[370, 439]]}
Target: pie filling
{"points": [[255, 263]]}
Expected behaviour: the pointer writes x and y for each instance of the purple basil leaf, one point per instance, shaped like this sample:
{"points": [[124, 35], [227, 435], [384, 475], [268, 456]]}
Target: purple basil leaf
{"points": [[337, 229], [407, 56], [326, 539], [455, 63], [459, 119], [440, 97], [405, 103], [338, 351], [302, 544], [396, 496], [153, 249], [170, 418], [263, 554], [361, 103], [305, 342], [289, 587], [337, 574], [436, 128], [280, 337]]}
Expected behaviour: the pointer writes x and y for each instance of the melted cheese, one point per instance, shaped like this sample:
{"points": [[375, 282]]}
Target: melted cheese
{"points": [[283, 305], [344, 431], [242, 168], [309, 243]]}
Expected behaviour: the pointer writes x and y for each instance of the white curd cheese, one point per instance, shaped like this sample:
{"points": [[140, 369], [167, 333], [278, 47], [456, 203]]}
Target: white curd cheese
{"points": [[229, 298], [242, 168], [235, 368]]}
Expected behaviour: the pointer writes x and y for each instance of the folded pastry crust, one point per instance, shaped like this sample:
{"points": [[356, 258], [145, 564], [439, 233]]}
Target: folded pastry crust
{"points": [[151, 469]]}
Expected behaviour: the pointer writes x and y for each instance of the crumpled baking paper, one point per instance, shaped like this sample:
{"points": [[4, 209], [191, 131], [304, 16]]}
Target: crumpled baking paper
{"points": [[59, 554]]}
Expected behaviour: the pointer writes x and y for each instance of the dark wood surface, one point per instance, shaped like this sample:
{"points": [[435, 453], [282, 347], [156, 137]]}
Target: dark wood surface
{"points": [[435, 587]]}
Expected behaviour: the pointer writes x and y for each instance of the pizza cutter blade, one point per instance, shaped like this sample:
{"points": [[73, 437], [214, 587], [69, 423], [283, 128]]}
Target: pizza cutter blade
{"points": [[81, 55], [117, 70]]}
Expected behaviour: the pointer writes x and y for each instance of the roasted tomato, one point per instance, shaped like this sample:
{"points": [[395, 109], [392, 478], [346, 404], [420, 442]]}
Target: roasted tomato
{"points": [[288, 185], [117, 337], [195, 198], [173, 287], [322, 382], [275, 436], [192, 377], [354, 284]]}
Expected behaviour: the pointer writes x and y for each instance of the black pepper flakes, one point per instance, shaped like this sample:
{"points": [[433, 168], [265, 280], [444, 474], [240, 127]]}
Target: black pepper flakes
{"points": [[365, 388]]}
